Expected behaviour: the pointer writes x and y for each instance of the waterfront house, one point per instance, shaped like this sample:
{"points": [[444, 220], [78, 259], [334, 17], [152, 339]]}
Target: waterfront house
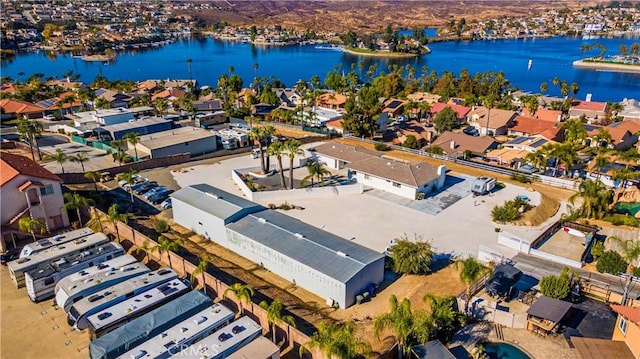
{"points": [[289, 98], [631, 109], [331, 100], [20, 109], [527, 126], [169, 94], [544, 114], [114, 99], [456, 144], [28, 189], [492, 122], [593, 111]]}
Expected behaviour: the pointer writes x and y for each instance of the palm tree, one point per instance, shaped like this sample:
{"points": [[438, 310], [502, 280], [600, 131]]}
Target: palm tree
{"points": [[242, 292], [119, 146], [261, 136], [535, 158], [60, 157], [489, 102], [93, 176], [166, 245], [630, 252], [95, 220], [600, 162], [161, 105], [470, 271], [544, 87], [133, 138], [443, 314], [30, 225], [75, 201], [201, 268], [277, 149], [316, 170], [146, 248], [114, 216], [337, 341], [275, 316], [80, 158], [595, 198], [130, 178], [407, 325], [29, 131], [574, 132], [292, 149]]}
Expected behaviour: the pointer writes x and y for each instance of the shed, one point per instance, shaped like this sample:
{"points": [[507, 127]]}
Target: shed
{"points": [[545, 314], [143, 127], [432, 350]]}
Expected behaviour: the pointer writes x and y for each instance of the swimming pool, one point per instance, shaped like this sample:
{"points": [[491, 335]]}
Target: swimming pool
{"points": [[503, 351], [630, 208]]}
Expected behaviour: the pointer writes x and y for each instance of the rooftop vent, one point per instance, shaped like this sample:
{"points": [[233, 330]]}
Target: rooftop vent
{"points": [[262, 220], [298, 235], [341, 254]]}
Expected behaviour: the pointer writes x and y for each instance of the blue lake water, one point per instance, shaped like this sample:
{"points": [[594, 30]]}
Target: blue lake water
{"points": [[210, 58]]}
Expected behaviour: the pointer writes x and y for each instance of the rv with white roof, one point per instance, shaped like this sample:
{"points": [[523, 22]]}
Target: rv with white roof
{"points": [[223, 342], [42, 244]]}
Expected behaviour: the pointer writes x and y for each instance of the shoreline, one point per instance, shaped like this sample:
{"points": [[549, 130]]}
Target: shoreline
{"points": [[98, 57], [607, 66], [380, 54]]}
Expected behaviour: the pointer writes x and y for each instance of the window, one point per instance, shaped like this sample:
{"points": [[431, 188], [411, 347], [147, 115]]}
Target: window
{"points": [[397, 185], [366, 176], [622, 325], [46, 190]]}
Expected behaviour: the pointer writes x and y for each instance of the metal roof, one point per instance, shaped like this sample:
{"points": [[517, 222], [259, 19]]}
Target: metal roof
{"points": [[136, 124], [214, 201], [334, 256], [549, 308]]}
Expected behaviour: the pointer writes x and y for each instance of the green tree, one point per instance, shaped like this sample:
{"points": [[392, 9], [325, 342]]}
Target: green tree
{"points": [[129, 178], [59, 156], [445, 316], [411, 257], [114, 216], [160, 226], [30, 225], [410, 327], [133, 138], [337, 341], [242, 292], [95, 221], [94, 177], [574, 132], [595, 196], [446, 120], [161, 106], [470, 272], [317, 171], [278, 149], [411, 142], [292, 149], [201, 268], [146, 248], [597, 250], [166, 245], [80, 158], [611, 262], [275, 315], [557, 287], [75, 201], [629, 250]]}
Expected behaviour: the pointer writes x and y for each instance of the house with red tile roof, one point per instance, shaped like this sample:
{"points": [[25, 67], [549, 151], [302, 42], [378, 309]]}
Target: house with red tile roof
{"points": [[170, 95], [8, 88], [28, 190], [594, 111], [543, 114], [624, 135], [492, 122], [627, 328], [331, 100], [20, 109], [460, 110], [335, 125], [527, 126]]}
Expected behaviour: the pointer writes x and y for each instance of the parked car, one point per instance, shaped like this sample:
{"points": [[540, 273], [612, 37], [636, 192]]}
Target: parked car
{"points": [[9, 255], [153, 191], [136, 179], [157, 199], [146, 187], [166, 204], [528, 169], [154, 197], [471, 131], [136, 185]]}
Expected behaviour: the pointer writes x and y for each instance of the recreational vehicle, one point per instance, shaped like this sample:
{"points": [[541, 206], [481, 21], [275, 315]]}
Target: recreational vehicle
{"points": [[82, 309], [19, 267], [225, 341], [41, 281], [42, 244], [112, 317], [183, 334], [72, 291], [105, 266]]}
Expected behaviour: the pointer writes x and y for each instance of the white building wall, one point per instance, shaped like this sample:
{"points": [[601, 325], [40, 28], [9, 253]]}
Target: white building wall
{"points": [[289, 269], [199, 221], [373, 273], [386, 185], [328, 161], [195, 148]]}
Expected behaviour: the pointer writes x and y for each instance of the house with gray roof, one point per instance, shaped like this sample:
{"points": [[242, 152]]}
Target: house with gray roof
{"points": [[327, 265]]}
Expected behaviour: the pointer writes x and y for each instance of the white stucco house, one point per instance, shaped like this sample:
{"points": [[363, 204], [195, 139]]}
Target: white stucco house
{"points": [[27, 189]]}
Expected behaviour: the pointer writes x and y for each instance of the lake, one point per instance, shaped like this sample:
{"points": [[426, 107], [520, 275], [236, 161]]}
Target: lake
{"points": [[210, 58]]}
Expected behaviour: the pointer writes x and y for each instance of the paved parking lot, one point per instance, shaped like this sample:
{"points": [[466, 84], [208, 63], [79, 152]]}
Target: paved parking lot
{"points": [[458, 229], [98, 159]]}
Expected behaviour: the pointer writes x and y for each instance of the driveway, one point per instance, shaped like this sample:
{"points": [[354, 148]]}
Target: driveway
{"points": [[98, 160]]}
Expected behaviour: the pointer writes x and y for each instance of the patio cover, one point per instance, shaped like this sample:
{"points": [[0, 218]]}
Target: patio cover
{"points": [[591, 348], [549, 308]]}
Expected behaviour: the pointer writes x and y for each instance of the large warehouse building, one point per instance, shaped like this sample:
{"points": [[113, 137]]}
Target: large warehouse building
{"points": [[193, 140], [329, 266]]}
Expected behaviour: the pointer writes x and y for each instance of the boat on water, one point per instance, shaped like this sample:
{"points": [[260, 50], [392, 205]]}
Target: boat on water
{"points": [[530, 64], [328, 47]]}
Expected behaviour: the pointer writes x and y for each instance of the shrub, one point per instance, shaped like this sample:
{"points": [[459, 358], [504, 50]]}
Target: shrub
{"points": [[621, 219], [411, 257], [557, 287], [411, 142], [379, 146], [636, 272], [510, 211], [520, 178], [436, 150], [597, 250], [611, 262], [160, 226]]}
